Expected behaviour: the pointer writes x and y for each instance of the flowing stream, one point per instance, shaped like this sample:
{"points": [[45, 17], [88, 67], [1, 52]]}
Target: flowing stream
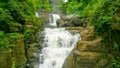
{"points": [[58, 43]]}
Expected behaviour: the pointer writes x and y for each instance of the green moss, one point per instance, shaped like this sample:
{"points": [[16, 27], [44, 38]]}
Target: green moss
{"points": [[115, 63], [9, 39], [29, 36], [13, 63], [15, 15], [5, 50], [1, 33]]}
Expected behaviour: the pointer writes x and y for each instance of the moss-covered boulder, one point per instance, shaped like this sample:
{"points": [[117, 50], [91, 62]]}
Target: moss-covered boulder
{"points": [[13, 55]]}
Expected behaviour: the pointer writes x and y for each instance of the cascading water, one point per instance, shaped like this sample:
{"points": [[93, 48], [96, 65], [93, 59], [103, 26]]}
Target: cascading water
{"points": [[65, 0], [58, 43], [53, 18]]}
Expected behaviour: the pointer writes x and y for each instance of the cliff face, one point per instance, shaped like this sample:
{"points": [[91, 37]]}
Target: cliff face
{"points": [[12, 57], [90, 51], [21, 53], [19, 29], [18, 49]]}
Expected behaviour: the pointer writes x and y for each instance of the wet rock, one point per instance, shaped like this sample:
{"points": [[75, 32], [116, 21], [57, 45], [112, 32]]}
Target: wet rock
{"points": [[44, 16], [76, 21], [32, 57], [68, 17], [69, 62], [70, 21], [90, 51], [60, 22]]}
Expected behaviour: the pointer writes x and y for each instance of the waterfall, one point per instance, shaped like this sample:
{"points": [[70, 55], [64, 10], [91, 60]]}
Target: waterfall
{"points": [[37, 14], [65, 0], [58, 43], [53, 18]]}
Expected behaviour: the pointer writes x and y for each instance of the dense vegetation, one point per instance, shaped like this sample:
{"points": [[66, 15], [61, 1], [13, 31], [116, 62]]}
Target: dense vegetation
{"points": [[19, 28], [16, 17], [104, 16]]}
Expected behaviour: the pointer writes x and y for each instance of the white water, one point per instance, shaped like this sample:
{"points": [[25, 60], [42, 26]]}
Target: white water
{"points": [[58, 43], [37, 14], [65, 0], [53, 18]]}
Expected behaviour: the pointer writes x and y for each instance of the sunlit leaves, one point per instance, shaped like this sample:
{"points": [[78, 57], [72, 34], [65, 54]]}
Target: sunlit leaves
{"points": [[74, 6]]}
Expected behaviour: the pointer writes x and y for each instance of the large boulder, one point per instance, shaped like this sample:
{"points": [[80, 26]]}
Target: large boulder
{"points": [[70, 21]]}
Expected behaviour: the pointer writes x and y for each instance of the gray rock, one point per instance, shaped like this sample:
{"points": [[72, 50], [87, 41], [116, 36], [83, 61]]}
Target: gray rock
{"points": [[68, 17], [70, 21]]}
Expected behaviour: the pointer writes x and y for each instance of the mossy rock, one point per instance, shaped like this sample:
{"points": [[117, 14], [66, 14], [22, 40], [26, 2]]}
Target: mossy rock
{"points": [[5, 58]]}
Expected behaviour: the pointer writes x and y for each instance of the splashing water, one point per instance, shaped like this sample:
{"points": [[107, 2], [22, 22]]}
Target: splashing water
{"points": [[58, 43], [65, 0], [53, 18]]}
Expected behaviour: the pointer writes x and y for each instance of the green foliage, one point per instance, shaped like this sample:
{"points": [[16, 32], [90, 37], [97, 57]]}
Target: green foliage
{"points": [[9, 39], [13, 62], [74, 6], [14, 16], [17, 13], [104, 16], [92, 7], [4, 42], [1, 34], [28, 36], [44, 5], [106, 21], [115, 63], [28, 33]]}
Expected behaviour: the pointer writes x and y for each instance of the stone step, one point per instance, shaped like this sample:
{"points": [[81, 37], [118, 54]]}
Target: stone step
{"points": [[88, 38], [84, 33], [88, 59], [74, 28], [87, 31], [92, 46]]}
